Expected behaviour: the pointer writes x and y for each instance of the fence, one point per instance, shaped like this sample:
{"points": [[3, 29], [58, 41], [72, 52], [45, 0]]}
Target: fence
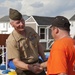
{"points": [[4, 69], [3, 55], [3, 38], [3, 51]]}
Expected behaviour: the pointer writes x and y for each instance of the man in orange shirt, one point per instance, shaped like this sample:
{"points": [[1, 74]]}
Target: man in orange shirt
{"points": [[62, 56]]}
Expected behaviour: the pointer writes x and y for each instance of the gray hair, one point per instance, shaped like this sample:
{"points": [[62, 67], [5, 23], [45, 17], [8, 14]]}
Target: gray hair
{"points": [[11, 20]]}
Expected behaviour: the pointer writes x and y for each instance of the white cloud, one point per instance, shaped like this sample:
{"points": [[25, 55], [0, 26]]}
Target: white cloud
{"points": [[68, 13], [4, 6], [40, 7]]}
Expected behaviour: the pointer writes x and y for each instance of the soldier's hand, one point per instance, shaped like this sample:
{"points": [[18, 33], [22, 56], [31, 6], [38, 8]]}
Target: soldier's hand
{"points": [[35, 68], [38, 69]]}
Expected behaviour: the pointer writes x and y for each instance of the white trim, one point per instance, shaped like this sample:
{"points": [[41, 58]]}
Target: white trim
{"points": [[48, 26], [47, 43], [48, 39], [28, 18], [44, 25], [29, 22], [44, 33], [32, 22], [44, 40], [36, 27], [4, 27], [32, 18], [35, 21]]}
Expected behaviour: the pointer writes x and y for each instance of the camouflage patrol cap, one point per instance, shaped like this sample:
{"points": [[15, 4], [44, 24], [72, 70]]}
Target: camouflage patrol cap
{"points": [[14, 14]]}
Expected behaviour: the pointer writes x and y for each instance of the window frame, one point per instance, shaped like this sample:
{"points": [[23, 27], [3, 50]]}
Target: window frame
{"points": [[42, 33]]}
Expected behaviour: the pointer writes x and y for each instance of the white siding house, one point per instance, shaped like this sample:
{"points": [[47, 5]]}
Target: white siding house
{"points": [[72, 27], [5, 27], [40, 24]]}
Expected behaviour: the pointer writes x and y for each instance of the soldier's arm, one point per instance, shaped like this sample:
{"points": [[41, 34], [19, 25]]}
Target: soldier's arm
{"points": [[23, 66], [41, 52], [44, 65]]}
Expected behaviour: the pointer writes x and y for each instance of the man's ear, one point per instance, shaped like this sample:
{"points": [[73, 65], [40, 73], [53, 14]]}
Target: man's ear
{"points": [[11, 24], [57, 30]]}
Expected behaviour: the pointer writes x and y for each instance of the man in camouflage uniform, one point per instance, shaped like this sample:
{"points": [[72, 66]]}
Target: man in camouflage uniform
{"points": [[23, 46]]}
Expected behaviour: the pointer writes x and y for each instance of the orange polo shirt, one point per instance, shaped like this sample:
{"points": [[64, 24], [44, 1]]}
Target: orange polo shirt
{"points": [[62, 57]]}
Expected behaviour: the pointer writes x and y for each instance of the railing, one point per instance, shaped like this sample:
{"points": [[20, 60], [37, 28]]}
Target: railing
{"points": [[49, 43], [4, 55], [4, 70]]}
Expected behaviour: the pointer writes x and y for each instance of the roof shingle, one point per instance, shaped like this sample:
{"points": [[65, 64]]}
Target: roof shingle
{"points": [[43, 20], [72, 18]]}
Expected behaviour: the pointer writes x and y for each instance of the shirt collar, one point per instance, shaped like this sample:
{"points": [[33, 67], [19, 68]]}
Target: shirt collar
{"points": [[17, 35]]}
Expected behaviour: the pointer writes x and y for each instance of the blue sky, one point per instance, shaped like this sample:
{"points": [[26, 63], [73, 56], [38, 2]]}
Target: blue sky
{"points": [[49, 8]]}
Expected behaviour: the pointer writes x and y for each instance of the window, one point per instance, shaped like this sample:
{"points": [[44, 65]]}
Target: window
{"points": [[4, 26], [42, 33]]}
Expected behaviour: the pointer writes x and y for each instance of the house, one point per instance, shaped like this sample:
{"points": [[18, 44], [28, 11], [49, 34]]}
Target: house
{"points": [[41, 25], [5, 27], [72, 27]]}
